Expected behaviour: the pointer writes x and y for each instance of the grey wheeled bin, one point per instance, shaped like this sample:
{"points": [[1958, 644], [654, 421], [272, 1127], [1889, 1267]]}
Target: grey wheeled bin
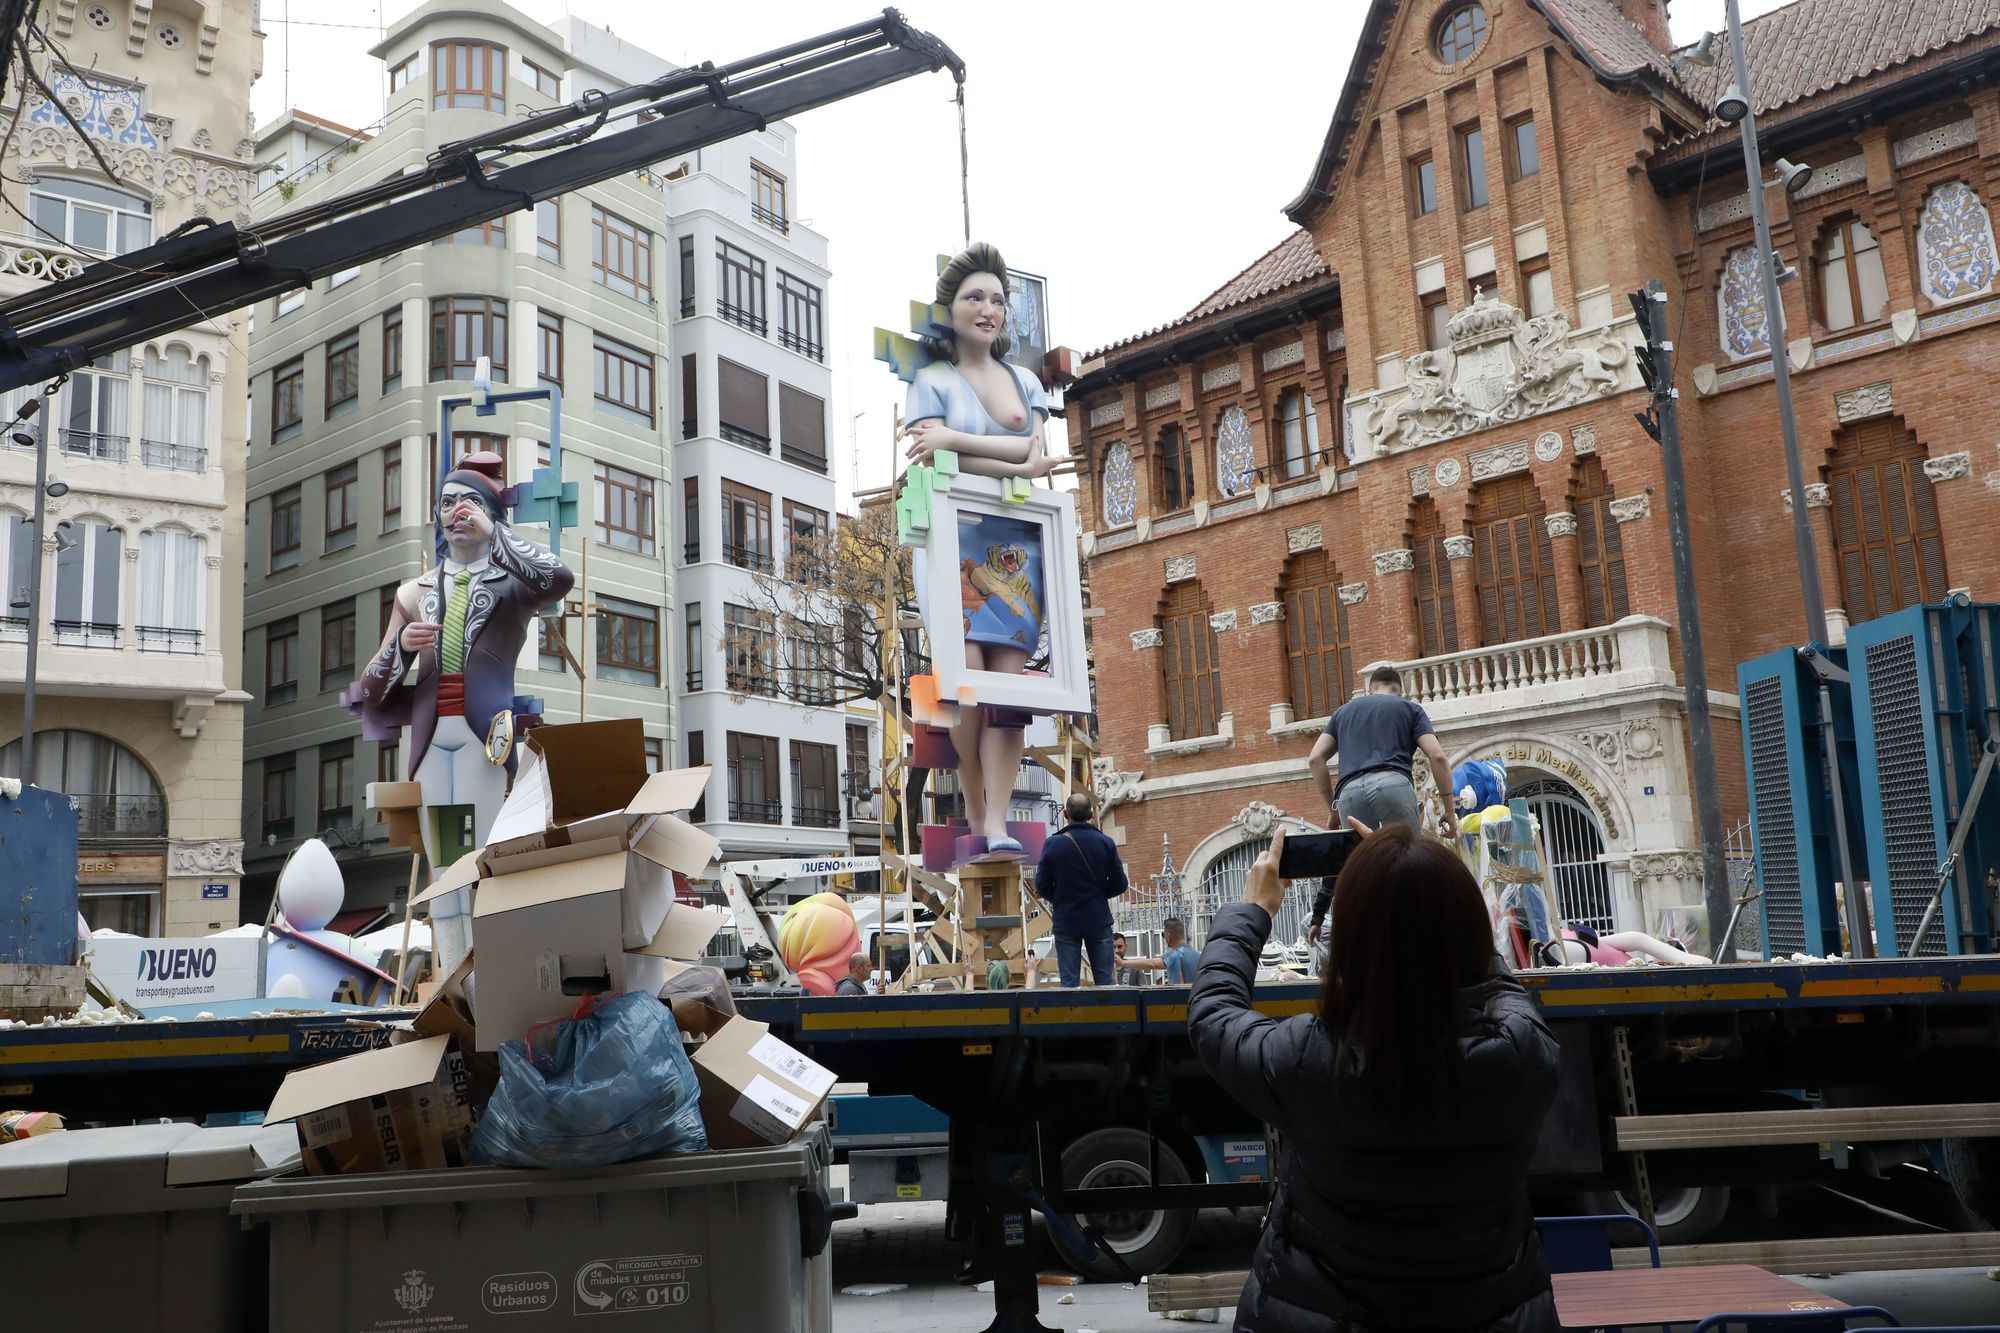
{"points": [[129, 1228], [716, 1242]]}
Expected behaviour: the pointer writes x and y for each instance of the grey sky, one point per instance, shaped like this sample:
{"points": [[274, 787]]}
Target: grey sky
{"points": [[1135, 155]]}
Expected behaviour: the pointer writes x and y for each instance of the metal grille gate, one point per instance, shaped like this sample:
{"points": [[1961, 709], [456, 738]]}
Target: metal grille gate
{"points": [[1903, 764], [1223, 884], [1574, 841], [1771, 789]]}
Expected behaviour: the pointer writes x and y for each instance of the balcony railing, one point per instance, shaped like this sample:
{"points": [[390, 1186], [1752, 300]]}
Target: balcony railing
{"points": [[749, 439], [1580, 664], [87, 633], [687, 307], [35, 259], [691, 553], [754, 682], [107, 815], [174, 457], [95, 444], [771, 218], [749, 319], [754, 812], [693, 679], [13, 629], [799, 343], [815, 816], [803, 457], [747, 557], [163, 639]]}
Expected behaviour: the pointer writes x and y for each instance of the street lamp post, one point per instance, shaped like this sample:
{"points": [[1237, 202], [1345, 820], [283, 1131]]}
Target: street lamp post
{"points": [[33, 419], [1861, 942]]}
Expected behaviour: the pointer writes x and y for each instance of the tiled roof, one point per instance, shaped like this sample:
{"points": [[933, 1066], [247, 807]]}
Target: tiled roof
{"points": [[1606, 39], [1814, 46], [1290, 262]]}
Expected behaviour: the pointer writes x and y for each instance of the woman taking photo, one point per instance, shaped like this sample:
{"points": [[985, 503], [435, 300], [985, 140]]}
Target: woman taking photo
{"points": [[1406, 1108]]}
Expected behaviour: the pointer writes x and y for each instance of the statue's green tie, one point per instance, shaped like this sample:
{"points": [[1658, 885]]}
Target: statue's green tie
{"points": [[451, 654]]}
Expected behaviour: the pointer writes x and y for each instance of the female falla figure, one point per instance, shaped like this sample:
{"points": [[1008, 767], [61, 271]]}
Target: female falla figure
{"points": [[991, 415]]}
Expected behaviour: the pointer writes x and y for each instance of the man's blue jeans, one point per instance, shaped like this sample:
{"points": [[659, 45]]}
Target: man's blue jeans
{"points": [[1069, 958]]}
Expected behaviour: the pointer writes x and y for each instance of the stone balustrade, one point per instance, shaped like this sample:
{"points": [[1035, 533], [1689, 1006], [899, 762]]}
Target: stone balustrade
{"points": [[1534, 673]]}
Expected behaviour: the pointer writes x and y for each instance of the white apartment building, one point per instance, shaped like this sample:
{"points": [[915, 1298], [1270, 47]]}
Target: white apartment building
{"points": [[138, 706]]}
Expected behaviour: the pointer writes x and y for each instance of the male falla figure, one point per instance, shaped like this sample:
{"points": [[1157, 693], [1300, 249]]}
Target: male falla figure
{"points": [[445, 670]]}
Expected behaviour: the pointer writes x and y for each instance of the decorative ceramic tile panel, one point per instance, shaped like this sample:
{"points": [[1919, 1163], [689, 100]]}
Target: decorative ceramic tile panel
{"points": [[1746, 325], [1955, 255], [1832, 177], [1287, 354], [1964, 314], [1168, 527], [1934, 141], [1121, 486], [1105, 413], [1299, 492], [1232, 509], [1713, 215], [107, 111], [1163, 395], [1221, 377], [1235, 467]]}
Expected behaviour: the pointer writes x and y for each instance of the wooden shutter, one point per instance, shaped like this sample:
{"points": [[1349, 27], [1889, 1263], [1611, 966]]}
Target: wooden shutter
{"points": [[1191, 675], [743, 396], [1437, 612], [690, 398], [1517, 583], [1600, 549], [802, 426], [1319, 660], [1885, 521]]}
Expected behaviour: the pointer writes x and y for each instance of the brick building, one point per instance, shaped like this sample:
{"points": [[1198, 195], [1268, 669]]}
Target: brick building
{"points": [[1406, 433]]}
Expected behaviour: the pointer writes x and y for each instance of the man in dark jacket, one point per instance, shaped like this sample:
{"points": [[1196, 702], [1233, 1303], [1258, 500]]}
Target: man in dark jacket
{"points": [[1079, 874]]}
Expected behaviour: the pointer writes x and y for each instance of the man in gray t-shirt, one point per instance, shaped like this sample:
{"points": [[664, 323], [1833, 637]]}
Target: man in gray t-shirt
{"points": [[1375, 737]]}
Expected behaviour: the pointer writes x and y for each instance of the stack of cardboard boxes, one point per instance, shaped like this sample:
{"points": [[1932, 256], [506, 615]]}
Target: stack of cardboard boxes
{"points": [[573, 896]]}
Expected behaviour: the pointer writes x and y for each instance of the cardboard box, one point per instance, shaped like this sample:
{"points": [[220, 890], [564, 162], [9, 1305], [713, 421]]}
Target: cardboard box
{"points": [[400, 1108], [447, 1012], [755, 1090], [588, 781], [400, 806]]}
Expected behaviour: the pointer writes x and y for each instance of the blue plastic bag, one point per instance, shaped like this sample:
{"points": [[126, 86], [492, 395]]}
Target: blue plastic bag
{"points": [[612, 1085]]}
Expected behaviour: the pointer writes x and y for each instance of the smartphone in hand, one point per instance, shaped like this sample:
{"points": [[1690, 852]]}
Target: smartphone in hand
{"points": [[1317, 855]]}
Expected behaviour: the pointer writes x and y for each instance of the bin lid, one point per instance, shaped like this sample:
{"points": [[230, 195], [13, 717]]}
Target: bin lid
{"points": [[232, 1153], [39, 1168]]}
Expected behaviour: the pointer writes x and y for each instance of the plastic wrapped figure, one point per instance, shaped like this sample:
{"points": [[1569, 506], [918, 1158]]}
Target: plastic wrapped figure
{"points": [[990, 414]]}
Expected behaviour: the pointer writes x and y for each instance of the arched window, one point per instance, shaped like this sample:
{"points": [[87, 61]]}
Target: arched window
{"points": [[172, 575], [1120, 488], [1600, 551], [1746, 325], [1955, 250], [1437, 612], [90, 216], [116, 794], [1319, 655], [1852, 289], [87, 571], [1189, 672], [1515, 562], [1298, 432], [174, 430], [1885, 520], [94, 422], [1235, 458], [1174, 470]]}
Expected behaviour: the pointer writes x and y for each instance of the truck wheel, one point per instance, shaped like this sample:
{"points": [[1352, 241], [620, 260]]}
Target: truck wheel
{"points": [[1680, 1216], [1147, 1240], [1973, 1167]]}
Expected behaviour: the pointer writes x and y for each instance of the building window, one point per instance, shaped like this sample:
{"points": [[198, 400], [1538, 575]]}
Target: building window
{"points": [[549, 348], [1319, 655], [743, 397], [1459, 34], [91, 217], [291, 300], [1437, 611], [1538, 286], [468, 76], [628, 642], [690, 398], [1189, 672], [1515, 563], [547, 82], [288, 398], [1526, 155], [392, 486], [696, 652], [1885, 521], [815, 785], [622, 378], [491, 232], [548, 230], [402, 73], [98, 400], [806, 529], [1437, 319], [392, 350], [687, 276], [812, 656], [343, 506], [389, 762], [1175, 471], [1298, 430], [281, 661], [802, 428], [343, 370], [336, 785], [767, 197], [753, 779], [552, 638], [463, 442], [1852, 289], [336, 646], [799, 316], [739, 293], [1600, 549], [385, 608], [621, 253], [691, 520], [746, 527], [697, 755], [278, 797], [463, 329], [174, 430], [1424, 185], [749, 650], [860, 763], [625, 510], [285, 533], [1472, 165], [172, 579]]}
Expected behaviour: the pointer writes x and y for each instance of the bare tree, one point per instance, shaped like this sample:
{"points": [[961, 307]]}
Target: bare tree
{"points": [[819, 636]]}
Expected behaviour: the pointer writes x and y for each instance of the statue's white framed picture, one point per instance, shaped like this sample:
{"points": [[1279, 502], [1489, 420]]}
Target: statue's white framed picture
{"points": [[1023, 556]]}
